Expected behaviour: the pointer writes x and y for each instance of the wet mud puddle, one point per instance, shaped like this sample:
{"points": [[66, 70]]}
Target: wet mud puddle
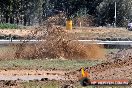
{"points": [[27, 75]]}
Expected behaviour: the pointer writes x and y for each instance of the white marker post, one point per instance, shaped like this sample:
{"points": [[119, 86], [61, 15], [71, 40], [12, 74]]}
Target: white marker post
{"points": [[115, 15]]}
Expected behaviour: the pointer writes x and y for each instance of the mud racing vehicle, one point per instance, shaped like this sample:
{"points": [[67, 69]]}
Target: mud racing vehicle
{"points": [[129, 26]]}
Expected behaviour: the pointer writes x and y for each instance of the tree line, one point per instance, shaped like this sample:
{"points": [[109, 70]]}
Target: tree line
{"points": [[29, 12]]}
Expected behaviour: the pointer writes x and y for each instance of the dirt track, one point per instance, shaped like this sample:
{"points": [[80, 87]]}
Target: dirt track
{"points": [[111, 70], [19, 32], [83, 33], [32, 75], [31, 72]]}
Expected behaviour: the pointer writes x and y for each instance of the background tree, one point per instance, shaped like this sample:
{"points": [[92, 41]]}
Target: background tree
{"points": [[30, 12]]}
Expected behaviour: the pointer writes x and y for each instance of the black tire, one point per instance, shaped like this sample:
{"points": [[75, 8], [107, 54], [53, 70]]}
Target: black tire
{"points": [[130, 29], [85, 82]]}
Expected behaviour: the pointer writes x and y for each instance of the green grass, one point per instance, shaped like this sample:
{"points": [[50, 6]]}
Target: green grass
{"points": [[46, 64], [40, 85], [10, 26], [111, 50]]}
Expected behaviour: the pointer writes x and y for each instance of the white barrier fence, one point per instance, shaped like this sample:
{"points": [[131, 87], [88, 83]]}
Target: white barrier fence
{"points": [[83, 41]]}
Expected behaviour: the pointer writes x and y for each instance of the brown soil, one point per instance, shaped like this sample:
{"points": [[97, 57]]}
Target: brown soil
{"points": [[101, 32], [7, 52], [118, 69], [9, 84], [119, 55], [32, 72], [78, 32], [19, 32]]}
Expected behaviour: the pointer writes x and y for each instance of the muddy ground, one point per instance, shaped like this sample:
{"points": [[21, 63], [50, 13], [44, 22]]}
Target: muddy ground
{"points": [[116, 65], [114, 69]]}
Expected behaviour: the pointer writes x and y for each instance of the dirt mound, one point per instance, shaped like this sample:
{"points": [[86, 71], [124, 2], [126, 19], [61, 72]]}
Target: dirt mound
{"points": [[124, 72], [58, 44], [59, 19], [109, 65], [120, 54], [118, 69]]}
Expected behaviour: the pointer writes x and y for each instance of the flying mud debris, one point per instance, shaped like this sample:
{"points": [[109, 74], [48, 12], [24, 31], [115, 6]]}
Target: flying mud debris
{"points": [[58, 44]]}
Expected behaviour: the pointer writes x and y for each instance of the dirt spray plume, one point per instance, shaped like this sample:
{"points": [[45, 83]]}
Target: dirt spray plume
{"points": [[58, 44]]}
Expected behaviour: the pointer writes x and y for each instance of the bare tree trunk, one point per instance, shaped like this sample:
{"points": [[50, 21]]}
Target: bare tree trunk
{"points": [[25, 20], [29, 21], [7, 17], [17, 20], [11, 20]]}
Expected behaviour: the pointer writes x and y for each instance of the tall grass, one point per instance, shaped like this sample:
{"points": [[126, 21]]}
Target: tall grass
{"points": [[8, 26]]}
